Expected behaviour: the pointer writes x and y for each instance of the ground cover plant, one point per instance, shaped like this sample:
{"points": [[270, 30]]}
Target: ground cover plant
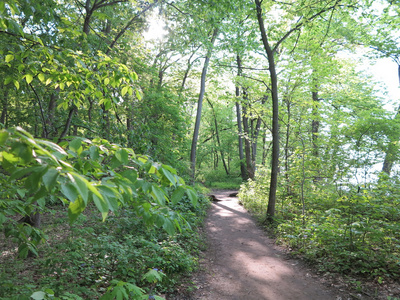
{"points": [[353, 231], [114, 223]]}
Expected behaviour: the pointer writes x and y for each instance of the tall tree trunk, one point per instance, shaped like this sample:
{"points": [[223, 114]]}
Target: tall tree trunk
{"points": [[255, 134], [275, 115], [247, 141], [51, 130], [200, 105], [218, 138], [315, 129], [315, 122], [243, 171], [287, 154], [4, 109], [86, 23], [106, 122]]}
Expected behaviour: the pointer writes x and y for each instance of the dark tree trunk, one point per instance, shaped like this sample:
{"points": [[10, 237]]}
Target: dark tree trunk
{"points": [[86, 23], [200, 105], [51, 130], [287, 154], [315, 122], [67, 123], [247, 142], [4, 110], [218, 138], [275, 115], [315, 130], [243, 171]]}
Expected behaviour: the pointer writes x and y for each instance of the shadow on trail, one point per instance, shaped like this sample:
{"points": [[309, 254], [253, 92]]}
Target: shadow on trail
{"points": [[245, 264]]}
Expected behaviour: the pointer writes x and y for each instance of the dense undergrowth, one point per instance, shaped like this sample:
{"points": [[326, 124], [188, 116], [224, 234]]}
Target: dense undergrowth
{"points": [[90, 258], [352, 231], [218, 179]]}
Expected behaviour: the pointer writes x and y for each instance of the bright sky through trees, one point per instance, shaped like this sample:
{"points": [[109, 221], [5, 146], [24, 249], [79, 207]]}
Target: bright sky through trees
{"points": [[156, 30]]}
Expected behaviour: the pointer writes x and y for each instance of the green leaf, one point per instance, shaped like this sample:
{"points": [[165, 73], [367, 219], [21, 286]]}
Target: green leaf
{"points": [[169, 226], [9, 58], [177, 195], [75, 144], [124, 90], [94, 153], [131, 175], [110, 195], [80, 183], [3, 137], [38, 295], [16, 83], [2, 7], [70, 192], [171, 178], [50, 178], [41, 77], [115, 162], [17, 174], [192, 195], [8, 80], [75, 209], [122, 156], [28, 78], [158, 194], [22, 150], [2, 218], [138, 95], [101, 205]]}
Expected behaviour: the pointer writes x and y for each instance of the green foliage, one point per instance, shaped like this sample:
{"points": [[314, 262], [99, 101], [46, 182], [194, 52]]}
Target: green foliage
{"points": [[355, 233], [79, 172], [218, 179], [92, 259]]}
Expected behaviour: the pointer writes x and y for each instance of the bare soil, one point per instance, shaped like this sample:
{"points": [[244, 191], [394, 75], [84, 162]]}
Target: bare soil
{"points": [[242, 263]]}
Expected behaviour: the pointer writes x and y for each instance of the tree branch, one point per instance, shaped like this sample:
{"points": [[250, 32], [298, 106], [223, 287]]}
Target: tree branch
{"points": [[128, 25], [300, 24]]}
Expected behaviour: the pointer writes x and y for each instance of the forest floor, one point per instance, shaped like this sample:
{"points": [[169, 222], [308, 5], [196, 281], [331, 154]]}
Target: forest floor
{"points": [[243, 263]]}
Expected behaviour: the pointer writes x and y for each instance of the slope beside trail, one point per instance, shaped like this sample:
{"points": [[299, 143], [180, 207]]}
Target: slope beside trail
{"points": [[242, 263]]}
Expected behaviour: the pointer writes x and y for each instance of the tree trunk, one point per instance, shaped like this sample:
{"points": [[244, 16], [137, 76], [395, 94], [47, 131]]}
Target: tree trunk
{"points": [[275, 116], [254, 138], [86, 22], [247, 143], [239, 123], [315, 130], [51, 130], [287, 154], [67, 123], [200, 105], [315, 122], [4, 110], [218, 139]]}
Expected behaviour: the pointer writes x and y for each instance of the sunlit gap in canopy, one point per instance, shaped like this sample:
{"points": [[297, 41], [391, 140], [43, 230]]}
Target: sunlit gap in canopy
{"points": [[156, 30]]}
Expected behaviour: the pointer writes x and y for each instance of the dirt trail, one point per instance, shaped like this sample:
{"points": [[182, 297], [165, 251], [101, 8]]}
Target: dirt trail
{"points": [[242, 263]]}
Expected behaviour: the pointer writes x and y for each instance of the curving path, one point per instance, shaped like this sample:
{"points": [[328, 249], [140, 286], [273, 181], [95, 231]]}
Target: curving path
{"points": [[242, 263]]}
